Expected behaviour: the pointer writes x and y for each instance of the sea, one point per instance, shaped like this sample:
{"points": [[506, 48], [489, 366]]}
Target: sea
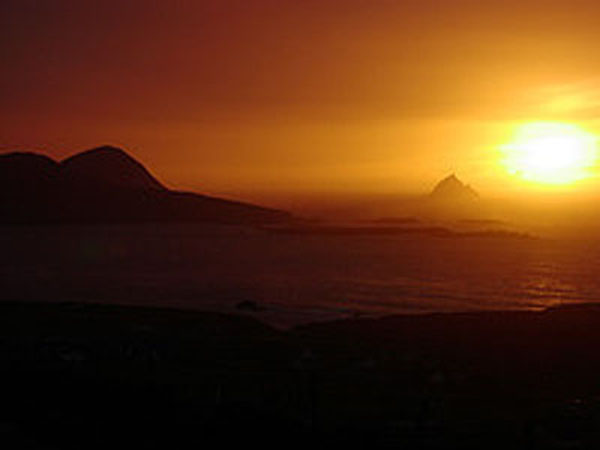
{"points": [[290, 279]]}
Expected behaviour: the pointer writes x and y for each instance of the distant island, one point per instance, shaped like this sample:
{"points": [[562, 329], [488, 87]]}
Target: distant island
{"points": [[452, 189], [106, 185]]}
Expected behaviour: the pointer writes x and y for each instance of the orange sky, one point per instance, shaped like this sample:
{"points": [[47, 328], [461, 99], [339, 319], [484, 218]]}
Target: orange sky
{"points": [[267, 98]]}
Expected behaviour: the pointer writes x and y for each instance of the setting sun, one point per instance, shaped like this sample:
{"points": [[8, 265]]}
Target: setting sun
{"points": [[551, 153]]}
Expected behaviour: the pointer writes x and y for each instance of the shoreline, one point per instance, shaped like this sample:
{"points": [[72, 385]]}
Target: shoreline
{"points": [[439, 380]]}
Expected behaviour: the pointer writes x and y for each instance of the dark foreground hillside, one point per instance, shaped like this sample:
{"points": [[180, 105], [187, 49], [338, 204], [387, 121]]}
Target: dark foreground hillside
{"points": [[89, 376]]}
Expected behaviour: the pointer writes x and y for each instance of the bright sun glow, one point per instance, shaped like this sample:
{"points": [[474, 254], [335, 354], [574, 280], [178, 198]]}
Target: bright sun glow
{"points": [[551, 153]]}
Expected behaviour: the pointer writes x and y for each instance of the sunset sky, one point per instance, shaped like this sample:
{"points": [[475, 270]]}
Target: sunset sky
{"points": [[262, 99]]}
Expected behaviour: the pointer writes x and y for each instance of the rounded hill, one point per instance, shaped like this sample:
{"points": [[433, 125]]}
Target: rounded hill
{"points": [[109, 167]]}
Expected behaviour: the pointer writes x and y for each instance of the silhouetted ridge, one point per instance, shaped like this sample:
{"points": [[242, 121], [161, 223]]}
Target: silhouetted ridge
{"points": [[451, 188], [108, 167], [23, 167], [106, 185], [27, 184]]}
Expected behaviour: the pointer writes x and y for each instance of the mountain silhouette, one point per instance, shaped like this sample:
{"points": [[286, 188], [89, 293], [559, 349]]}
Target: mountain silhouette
{"points": [[452, 189], [106, 185], [108, 167], [26, 169]]}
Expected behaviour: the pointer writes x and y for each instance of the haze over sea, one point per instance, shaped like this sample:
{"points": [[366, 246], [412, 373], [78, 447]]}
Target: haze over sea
{"points": [[293, 278]]}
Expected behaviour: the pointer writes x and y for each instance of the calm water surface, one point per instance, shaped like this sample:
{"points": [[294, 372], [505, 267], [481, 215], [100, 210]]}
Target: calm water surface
{"points": [[296, 278]]}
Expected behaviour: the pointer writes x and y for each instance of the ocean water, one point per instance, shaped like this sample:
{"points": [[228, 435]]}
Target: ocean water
{"points": [[294, 278]]}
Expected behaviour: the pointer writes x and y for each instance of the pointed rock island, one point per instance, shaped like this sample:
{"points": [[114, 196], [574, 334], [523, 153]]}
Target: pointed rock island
{"points": [[452, 189], [107, 185]]}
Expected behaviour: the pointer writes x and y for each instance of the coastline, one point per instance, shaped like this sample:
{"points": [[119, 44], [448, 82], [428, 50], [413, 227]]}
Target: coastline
{"points": [[430, 381]]}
